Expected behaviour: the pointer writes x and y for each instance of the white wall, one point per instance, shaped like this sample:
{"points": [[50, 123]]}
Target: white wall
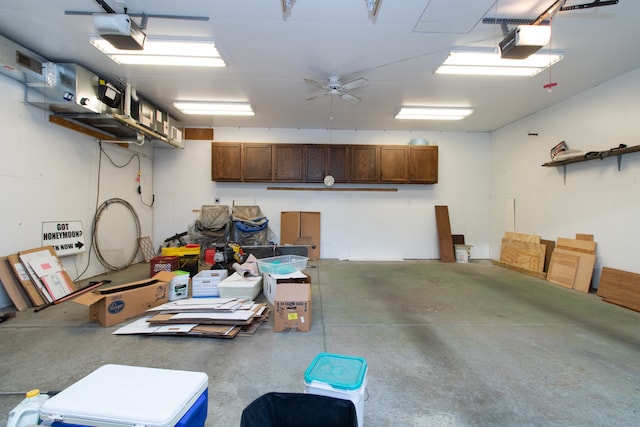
{"points": [[596, 198], [49, 173], [354, 225]]}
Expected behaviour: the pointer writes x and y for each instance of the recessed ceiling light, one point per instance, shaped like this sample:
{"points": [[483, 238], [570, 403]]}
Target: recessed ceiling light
{"points": [[165, 51], [433, 113], [215, 108], [487, 62]]}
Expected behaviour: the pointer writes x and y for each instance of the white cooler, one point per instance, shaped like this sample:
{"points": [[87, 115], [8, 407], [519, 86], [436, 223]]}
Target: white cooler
{"points": [[335, 375], [117, 395]]}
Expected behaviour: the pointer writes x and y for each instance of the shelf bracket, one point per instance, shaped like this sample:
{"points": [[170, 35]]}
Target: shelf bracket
{"points": [[564, 174], [619, 161]]}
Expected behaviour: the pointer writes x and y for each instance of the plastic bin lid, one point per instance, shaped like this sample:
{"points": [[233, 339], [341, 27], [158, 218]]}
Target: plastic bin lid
{"points": [[180, 273], [338, 371], [119, 395]]}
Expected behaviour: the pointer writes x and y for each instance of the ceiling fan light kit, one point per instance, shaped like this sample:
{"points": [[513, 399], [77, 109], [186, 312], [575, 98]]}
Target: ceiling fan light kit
{"points": [[287, 5], [334, 86]]}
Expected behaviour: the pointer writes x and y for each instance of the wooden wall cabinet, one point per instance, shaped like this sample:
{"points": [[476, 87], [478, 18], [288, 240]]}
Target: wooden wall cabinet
{"points": [[321, 160], [338, 162], [394, 163], [252, 162], [315, 161], [287, 162], [365, 163], [423, 164], [257, 162], [226, 161]]}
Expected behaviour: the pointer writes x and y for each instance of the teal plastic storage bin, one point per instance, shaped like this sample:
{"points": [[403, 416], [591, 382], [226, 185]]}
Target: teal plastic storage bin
{"points": [[335, 375]]}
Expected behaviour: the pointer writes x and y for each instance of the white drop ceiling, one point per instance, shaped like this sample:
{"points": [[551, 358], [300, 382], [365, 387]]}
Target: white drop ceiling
{"points": [[268, 57]]}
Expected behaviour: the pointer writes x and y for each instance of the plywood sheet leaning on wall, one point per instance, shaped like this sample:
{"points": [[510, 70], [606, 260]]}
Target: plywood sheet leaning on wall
{"points": [[522, 237], [620, 287], [551, 245], [563, 268], [583, 252], [576, 245], [523, 251], [444, 234], [584, 270]]}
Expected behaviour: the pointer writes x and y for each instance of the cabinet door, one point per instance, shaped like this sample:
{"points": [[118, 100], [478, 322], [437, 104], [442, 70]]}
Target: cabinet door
{"points": [[225, 161], [365, 163], [287, 162], [315, 163], [256, 162], [338, 162], [423, 165], [394, 163]]}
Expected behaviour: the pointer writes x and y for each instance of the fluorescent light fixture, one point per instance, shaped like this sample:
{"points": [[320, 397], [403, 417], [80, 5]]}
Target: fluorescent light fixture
{"points": [[215, 108], [165, 51], [433, 113], [487, 62]]}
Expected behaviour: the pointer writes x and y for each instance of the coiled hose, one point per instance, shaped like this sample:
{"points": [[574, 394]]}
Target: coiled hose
{"points": [[94, 233]]}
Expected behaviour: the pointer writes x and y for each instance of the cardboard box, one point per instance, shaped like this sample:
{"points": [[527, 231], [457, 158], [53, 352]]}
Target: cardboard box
{"points": [[271, 281], [116, 304], [301, 228], [292, 307]]}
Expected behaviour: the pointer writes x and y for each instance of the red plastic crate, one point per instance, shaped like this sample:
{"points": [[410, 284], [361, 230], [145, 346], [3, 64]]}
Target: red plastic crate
{"points": [[163, 263]]}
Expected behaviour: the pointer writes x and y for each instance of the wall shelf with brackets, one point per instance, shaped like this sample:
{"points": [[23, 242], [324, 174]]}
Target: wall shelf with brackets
{"points": [[594, 155]]}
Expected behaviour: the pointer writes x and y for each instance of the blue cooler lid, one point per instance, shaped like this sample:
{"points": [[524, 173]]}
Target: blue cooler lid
{"points": [[341, 372]]}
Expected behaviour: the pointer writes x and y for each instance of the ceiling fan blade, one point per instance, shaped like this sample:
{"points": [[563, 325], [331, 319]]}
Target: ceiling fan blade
{"points": [[316, 96], [315, 83], [349, 98], [353, 84]]}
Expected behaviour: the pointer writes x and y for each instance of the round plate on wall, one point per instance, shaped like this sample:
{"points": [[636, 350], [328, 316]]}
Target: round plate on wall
{"points": [[329, 180]]}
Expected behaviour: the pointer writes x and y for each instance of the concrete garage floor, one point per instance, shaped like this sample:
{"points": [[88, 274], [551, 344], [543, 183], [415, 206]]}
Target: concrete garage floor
{"points": [[446, 344]]}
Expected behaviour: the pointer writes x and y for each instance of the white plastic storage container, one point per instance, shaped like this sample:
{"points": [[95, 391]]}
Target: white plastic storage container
{"points": [[335, 375], [118, 395], [205, 284], [463, 253], [27, 412], [236, 286], [179, 286]]}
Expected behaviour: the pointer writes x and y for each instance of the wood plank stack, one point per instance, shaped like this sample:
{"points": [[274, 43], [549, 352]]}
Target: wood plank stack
{"points": [[620, 288], [523, 252], [572, 262]]}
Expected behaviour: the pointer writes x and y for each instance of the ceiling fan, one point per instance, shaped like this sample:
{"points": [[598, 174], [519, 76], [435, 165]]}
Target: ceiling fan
{"points": [[335, 87]]}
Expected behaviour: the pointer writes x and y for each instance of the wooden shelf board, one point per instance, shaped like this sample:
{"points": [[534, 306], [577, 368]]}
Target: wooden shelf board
{"points": [[330, 189]]}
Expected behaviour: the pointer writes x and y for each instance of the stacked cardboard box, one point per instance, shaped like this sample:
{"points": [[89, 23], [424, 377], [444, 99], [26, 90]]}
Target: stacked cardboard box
{"points": [[35, 277], [292, 307], [202, 317]]}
